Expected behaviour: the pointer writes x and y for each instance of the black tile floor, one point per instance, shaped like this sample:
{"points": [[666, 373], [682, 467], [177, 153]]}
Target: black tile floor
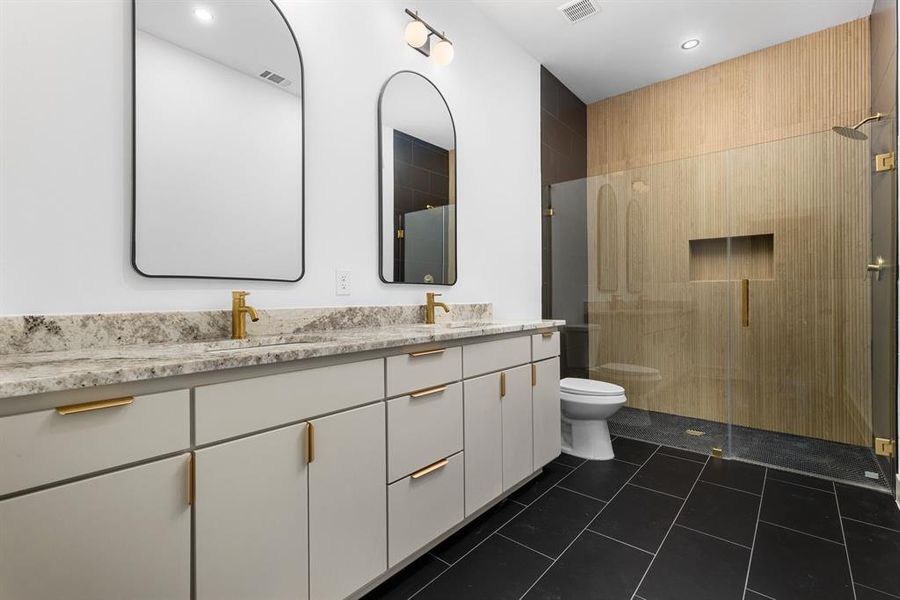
{"points": [[658, 523]]}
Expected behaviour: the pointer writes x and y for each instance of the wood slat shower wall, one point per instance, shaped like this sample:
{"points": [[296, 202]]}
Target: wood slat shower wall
{"points": [[738, 149]]}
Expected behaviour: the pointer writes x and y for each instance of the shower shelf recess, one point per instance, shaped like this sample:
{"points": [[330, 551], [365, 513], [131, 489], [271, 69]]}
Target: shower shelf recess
{"points": [[752, 257]]}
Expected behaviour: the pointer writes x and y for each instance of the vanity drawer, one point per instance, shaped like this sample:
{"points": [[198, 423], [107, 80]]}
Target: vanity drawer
{"points": [[420, 370], [51, 445], [487, 357], [226, 410], [423, 428], [544, 345], [421, 508]]}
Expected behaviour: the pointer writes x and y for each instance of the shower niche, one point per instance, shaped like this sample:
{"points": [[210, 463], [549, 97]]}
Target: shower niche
{"points": [[751, 257]]}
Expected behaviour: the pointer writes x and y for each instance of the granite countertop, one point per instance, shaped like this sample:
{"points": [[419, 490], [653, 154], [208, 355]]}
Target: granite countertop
{"points": [[28, 373]]}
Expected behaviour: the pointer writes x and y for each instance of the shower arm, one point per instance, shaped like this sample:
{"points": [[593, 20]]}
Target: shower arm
{"points": [[875, 117]]}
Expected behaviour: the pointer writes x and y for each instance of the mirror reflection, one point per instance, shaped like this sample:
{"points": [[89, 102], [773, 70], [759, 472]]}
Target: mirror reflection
{"points": [[218, 141], [417, 182]]}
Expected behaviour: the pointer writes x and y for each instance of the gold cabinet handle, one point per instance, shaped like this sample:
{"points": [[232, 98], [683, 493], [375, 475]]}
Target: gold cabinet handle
{"points": [[745, 303], [428, 392], [426, 352], [191, 479], [72, 409], [502, 385], [310, 443], [533, 375], [547, 334], [430, 469]]}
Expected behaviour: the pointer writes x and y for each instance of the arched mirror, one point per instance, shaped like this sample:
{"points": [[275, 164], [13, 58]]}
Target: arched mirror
{"points": [[417, 182], [218, 141]]}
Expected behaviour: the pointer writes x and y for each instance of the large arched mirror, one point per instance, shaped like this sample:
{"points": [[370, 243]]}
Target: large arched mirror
{"points": [[218, 141], [417, 182]]}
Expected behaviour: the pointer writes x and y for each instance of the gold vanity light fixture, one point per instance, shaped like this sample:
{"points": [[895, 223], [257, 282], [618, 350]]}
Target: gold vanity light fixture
{"points": [[239, 309], [418, 35]]}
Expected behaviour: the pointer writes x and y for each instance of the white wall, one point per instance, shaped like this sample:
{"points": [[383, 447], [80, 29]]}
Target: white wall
{"points": [[65, 181]]}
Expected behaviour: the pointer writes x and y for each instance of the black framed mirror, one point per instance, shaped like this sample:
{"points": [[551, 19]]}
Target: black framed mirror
{"points": [[416, 182], [218, 152]]}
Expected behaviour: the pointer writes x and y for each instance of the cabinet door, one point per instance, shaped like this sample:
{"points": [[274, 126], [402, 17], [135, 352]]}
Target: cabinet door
{"points": [[122, 535], [545, 401], [251, 518], [347, 502], [518, 444], [482, 428]]}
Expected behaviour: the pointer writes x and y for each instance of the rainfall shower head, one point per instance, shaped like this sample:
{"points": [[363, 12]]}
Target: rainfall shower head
{"points": [[853, 132]]}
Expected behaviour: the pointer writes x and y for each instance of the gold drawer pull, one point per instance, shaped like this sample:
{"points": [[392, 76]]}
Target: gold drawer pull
{"points": [[533, 375], [192, 479], [502, 385], [547, 334], [426, 352], [72, 409], [430, 469], [428, 392], [310, 443]]}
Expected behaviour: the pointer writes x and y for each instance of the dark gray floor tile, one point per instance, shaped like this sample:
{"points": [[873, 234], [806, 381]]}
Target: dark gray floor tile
{"points": [[802, 508], [532, 490], [638, 517], [874, 556], [633, 451], [694, 566], [408, 581], [498, 569], [814, 482], [868, 505], [867, 593], [751, 595], [795, 566], [599, 478], [553, 521], [667, 474], [470, 536], [720, 511], [568, 460], [594, 568], [735, 474], [686, 454]]}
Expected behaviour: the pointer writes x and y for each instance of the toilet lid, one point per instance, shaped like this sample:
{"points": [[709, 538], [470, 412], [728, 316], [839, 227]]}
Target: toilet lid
{"points": [[590, 387]]}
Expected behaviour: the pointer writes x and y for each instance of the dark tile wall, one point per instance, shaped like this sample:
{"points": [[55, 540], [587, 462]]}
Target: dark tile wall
{"points": [[421, 178], [563, 158]]}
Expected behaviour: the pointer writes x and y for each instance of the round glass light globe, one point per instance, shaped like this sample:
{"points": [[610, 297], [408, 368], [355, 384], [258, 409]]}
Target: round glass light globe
{"points": [[443, 53], [416, 34]]}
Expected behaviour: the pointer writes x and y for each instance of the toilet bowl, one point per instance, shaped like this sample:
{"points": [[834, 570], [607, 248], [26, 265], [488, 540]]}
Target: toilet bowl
{"points": [[586, 406]]}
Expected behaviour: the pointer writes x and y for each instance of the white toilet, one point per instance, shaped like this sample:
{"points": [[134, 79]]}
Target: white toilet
{"points": [[586, 405]]}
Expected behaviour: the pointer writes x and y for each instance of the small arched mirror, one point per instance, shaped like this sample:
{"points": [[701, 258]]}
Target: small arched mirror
{"points": [[417, 182], [218, 141]]}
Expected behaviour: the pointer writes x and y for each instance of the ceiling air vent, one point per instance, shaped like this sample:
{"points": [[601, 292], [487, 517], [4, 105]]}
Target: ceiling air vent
{"points": [[578, 10], [275, 78]]}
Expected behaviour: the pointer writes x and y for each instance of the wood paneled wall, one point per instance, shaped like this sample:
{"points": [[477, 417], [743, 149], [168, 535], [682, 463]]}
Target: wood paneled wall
{"points": [[739, 149]]}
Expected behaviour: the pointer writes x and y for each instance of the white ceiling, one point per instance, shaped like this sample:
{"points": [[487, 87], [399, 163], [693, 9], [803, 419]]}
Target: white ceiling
{"points": [[249, 36], [632, 43]]}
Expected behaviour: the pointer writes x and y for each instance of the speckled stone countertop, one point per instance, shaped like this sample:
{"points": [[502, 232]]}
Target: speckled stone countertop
{"points": [[25, 373]]}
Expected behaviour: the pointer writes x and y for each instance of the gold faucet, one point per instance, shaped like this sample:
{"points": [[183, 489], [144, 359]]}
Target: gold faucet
{"points": [[430, 304], [239, 308]]}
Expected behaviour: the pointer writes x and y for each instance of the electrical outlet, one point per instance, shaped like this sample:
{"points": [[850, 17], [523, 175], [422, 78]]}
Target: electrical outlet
{"points": [[341, 282]]}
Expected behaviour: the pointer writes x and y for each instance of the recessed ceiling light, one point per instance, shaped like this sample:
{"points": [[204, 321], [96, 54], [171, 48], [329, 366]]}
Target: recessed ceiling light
{"points": [[690, 44], [203, 14]]}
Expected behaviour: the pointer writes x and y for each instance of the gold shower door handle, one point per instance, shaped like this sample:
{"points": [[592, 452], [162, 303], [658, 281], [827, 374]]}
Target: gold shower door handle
{"points": [[878, 267], [745, 303]]}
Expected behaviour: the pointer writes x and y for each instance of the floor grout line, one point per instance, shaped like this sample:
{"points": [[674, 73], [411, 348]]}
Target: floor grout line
{"points": [[755, 531], [506, 537], [869, 587], [837, 504], [728, 487], [609, 537], [715, 537], [759, 594], [594, 518], [812, 535], [433, 555], [643, 487], [669, 530], [809, 487], [580, 493], [868, 523]]}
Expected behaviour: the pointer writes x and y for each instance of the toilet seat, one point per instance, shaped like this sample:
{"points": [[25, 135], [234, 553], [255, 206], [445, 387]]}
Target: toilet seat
{"points": [[590, 391]]}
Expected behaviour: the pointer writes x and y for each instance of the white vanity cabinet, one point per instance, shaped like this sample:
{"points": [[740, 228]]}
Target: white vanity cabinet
{"points": [[125, 534], [546, 405], [250, 514]]}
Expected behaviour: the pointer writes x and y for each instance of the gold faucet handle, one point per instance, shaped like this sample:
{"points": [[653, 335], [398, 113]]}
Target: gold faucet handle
{"points": [[239, 294]]}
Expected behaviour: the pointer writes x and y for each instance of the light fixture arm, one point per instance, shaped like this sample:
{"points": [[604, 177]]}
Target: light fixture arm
{"points": [[432, 30]]}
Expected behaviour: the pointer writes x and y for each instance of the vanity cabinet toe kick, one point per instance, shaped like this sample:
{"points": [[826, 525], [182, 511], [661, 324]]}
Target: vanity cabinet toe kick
{"points": [[316, 483]]}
